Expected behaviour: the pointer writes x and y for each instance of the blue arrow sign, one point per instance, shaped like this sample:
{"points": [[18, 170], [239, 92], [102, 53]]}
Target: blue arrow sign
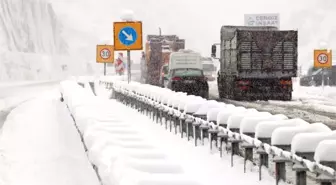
{"points": [[128, 36]]}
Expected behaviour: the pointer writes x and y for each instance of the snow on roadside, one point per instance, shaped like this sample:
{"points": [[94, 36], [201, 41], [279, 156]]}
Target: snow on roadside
{"points": [[21, 83], [196, 162], [40, 145], [19, 94]]}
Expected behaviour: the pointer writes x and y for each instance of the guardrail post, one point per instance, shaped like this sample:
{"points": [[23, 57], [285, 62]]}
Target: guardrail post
{"points": [[234, 148], [300, 174], [213, 136], [263, 160], [182, 126], [188, 125], [248, 153], [174, 121], [223, 137], [196, 131], [325, 179], [280, 168], [204, 132]]}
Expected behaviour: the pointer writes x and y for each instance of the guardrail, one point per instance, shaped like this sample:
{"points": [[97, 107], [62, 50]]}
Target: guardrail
{"points": [[178, 114]]}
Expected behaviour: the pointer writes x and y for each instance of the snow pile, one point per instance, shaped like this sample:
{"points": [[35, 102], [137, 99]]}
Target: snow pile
{"points": [[249, 124], [307, 142], [224, 115], [115, 145], [284, 135], [235, 120], [40, 145], [265, 128], [326, 151]]}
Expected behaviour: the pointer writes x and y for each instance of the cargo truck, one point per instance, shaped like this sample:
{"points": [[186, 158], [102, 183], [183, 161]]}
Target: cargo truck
{"points": [[156, 55], [256, 63]]}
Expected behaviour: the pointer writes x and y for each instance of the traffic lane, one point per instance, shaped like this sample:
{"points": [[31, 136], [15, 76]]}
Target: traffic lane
{"points": [[10, 91], [20, 91]]}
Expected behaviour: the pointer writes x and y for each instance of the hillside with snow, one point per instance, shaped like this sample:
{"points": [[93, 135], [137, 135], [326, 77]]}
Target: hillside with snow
{"points": [[33, 46]]}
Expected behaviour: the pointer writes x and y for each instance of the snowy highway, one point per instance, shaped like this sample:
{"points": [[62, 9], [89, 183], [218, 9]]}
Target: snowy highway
{"points": [[15, 93], [312, 104]]}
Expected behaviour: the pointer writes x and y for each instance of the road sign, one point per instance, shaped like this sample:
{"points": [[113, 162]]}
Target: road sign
{"points": [[127, 35], [322, 58], [105, 54], [262, 20]]}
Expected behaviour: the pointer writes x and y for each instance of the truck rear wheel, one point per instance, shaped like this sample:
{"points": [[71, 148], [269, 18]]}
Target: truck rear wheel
{"points": [[287, 97]]}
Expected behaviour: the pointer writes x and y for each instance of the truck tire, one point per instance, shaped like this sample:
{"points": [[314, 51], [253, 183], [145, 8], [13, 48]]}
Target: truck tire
{"points": [[287, 97]]}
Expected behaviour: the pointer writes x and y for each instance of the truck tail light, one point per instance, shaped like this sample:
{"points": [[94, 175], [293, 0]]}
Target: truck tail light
{"points": [[176, 78], [285, 82], [244, 82]]}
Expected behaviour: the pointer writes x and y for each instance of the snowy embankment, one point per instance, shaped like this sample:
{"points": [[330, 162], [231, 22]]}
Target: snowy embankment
{"points": [[33, 43], [40, 145]]}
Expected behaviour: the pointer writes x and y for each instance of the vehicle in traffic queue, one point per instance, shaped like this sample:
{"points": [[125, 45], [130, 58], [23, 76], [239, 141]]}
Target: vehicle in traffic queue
{"points": [[164, 75], [209, 70], [185, 74]]}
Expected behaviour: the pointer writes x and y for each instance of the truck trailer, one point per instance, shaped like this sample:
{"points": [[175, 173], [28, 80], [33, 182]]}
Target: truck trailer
{"points": [[256, 63], [157, 52]]}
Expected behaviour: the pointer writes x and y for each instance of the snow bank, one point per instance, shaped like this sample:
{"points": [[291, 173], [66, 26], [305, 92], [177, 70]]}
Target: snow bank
{"points": [[124, 165], [307, 142], [192, 107], [224, 114], [159, 179], [116, 146], [234, 120], [326, 151], [212, 113], [249, 124], [48, 150], [203, 110], [265, 128], [284, 135]]}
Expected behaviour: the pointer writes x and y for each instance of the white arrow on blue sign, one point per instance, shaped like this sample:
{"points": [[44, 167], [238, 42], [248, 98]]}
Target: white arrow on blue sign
{"points": [[127, 36]]}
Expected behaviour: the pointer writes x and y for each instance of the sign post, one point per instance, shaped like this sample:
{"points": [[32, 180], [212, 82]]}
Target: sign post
{"points": [[322, 60], [105, 54], [128, 36]]}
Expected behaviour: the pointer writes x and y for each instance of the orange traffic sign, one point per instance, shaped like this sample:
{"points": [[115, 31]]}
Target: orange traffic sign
{"points": [[105, 54], [322, 58], [127, 35]]}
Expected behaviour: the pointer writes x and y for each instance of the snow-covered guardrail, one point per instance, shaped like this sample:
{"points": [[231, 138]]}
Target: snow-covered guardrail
{"points": [[119, 152], [275, 138]]}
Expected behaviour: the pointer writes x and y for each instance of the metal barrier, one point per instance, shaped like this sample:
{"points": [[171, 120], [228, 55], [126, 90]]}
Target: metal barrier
{"points": [[197, 128]]}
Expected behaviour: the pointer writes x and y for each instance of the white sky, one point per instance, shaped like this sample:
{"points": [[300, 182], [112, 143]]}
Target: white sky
{"points": [[89, 22]]}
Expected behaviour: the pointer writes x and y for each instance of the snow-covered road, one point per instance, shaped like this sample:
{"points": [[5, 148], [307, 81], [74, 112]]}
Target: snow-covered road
{"points": [[14, 93], [312, 104]]}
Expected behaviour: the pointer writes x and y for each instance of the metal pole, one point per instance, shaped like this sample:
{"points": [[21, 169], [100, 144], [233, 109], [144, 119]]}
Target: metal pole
{"points": [[128, 66], [104, 69], [159, 31], [322, 78]]}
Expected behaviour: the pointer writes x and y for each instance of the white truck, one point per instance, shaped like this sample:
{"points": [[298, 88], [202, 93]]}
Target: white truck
{"points": [[185, 73], [185, 59]]}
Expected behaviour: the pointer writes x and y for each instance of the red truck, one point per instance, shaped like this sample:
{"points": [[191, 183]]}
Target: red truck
{"points": [[156, 55]]}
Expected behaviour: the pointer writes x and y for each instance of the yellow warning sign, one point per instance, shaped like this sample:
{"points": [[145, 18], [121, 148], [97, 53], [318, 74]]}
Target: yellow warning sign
{"points": [[105, 54], [322, 58]]}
